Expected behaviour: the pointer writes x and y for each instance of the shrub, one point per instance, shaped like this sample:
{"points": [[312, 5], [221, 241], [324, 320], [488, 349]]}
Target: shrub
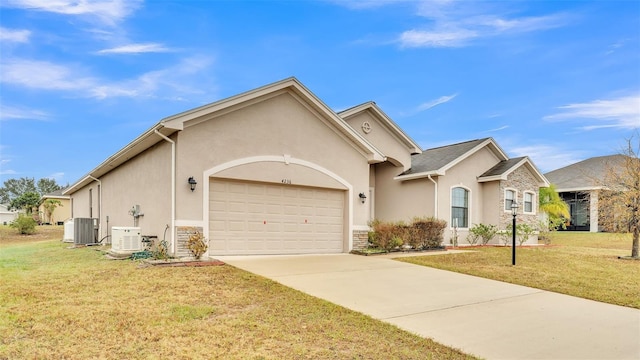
{"points": [[387, 235], [24, 224], [524, 231], [197, 244], [428, 232], [481, 232]]}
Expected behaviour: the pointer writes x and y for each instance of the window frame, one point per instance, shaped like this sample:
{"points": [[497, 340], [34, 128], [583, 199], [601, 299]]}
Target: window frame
{"points": [[515, 198], [468, 208], [533, 202]]}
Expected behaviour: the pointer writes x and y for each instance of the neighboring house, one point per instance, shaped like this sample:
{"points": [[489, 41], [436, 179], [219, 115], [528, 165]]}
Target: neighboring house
{"points": [[276, 171], [7, 216], [579, 185], [61, 213]]}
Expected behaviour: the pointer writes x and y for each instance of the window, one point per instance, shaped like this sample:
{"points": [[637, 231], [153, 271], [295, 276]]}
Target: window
{"points": [[459, 207], [509, 197], [528, 202]]}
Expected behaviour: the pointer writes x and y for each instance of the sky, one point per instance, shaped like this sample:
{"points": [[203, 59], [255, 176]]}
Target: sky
{"points": [[558, 81]]}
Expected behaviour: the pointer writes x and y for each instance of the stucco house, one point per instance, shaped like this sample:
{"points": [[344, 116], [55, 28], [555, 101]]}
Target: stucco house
{"points": [[61, 213], [7, 216], [579, 185], [275, 171]]}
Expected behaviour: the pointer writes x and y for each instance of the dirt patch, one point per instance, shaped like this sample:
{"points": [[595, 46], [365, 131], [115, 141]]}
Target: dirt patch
{"points": [[183, 263]]}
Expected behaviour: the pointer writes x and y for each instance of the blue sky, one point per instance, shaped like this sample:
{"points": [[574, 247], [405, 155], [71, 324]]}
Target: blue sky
{"points": [[557, 81]]}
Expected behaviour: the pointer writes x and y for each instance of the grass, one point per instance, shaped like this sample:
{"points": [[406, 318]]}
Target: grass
{"points": [[57, 302], [577, 263]]}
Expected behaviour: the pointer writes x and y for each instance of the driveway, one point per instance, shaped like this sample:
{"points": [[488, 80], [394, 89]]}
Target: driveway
{"points": [[487, 318]]}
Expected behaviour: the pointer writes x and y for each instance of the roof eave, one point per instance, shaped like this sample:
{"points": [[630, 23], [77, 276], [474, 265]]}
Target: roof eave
{"points": [[421, 175]]}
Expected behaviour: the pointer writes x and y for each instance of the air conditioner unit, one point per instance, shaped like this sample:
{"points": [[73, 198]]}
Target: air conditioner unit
{"points": [[125, 240], [85, 231]]}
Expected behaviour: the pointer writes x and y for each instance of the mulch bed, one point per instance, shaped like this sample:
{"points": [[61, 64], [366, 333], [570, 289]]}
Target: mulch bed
{"points": [[185, 263]]}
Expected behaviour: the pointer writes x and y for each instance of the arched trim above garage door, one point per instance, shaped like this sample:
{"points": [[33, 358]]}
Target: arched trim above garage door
{"points": [[282, 159]]}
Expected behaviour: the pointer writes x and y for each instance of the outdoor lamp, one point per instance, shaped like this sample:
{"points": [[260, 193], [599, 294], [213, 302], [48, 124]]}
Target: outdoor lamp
{"points": [[514, 212], [192, 183], [362, 197]]}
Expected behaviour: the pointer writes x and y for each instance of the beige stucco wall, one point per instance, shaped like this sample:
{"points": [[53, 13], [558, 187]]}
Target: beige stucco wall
{"points": [[401, 200], [62, 212], [491, 206], [144, 180], [277, 126], [382, 138]]}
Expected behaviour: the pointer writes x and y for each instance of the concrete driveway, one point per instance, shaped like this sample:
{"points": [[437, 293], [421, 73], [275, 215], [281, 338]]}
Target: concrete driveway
{"points": [[487, 318]]}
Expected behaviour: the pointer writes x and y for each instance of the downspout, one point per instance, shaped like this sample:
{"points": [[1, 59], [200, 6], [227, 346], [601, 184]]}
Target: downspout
{"points": [[99, 207], [173, 188], [435, 197]]}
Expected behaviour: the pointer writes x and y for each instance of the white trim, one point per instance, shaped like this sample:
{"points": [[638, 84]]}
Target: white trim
{"points": [[469, 197], [207, 174], [504, 199], [372, 203], [533, 202]]}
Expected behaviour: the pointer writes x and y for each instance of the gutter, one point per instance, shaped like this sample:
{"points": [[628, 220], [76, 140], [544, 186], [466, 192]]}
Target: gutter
{"points": [[100, 205], [435, 196], [173, 188]]}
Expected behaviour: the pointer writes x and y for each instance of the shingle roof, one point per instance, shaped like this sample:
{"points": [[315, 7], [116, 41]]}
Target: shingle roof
{"points": [[584, 174], [437, 158], [502, 167]]}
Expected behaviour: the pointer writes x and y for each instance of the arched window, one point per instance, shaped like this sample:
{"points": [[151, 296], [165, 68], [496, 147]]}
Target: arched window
{"points": [[459, 207], [509, 198]]}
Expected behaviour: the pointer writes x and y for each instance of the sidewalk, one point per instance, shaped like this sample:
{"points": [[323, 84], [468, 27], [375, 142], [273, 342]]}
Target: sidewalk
{"points": [[487, 318]]}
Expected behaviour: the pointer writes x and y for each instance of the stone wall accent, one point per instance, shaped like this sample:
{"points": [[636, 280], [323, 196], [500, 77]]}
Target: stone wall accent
{"points": [[182, 237], [520, 180], [360, 239]]}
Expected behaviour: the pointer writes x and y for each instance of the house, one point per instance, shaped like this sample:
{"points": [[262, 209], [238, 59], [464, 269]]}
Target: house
{"points": [[7, 216], [61, 212], [579, 185], [275, 171]]}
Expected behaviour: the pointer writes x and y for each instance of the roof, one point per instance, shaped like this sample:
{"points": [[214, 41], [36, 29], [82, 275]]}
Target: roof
{"points": [[373, 108], [437, 161], [501, 170], [58, 194], [583, 175], [170, 125]]}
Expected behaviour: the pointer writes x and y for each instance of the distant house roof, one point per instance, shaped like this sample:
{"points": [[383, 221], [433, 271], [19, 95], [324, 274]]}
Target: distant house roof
{"points": [[583, 175], [438, 160], [58, 194]]}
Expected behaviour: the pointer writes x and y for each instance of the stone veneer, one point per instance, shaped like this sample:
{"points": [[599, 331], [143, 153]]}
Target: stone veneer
{"points": [[360, 239], [520, 180], [183, 233]]}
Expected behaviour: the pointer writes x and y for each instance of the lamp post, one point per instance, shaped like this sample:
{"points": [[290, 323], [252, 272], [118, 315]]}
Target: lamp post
{"points": [[514, 212]]}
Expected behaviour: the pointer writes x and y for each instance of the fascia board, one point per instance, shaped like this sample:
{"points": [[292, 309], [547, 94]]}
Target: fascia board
{"points": [[421, 175]]}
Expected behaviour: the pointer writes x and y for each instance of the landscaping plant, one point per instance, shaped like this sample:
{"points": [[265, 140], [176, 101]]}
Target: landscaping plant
{"points": [[25, 224], [197, 244]]}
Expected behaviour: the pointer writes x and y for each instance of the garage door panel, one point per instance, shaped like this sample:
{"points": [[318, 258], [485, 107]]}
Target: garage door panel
{"points": [[260, 218]]}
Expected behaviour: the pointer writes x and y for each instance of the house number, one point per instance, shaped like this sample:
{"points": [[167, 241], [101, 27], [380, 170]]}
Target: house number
{"points": [[286, 181]]}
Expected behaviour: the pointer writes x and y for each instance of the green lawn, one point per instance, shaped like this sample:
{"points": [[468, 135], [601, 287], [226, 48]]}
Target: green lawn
{"points": [[576, 263], [62, 303]]}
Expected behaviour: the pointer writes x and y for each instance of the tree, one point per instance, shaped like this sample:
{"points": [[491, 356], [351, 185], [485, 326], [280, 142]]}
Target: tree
{"points": [[49, 207], [14, 188], [26, 201], [47, 186], [619, 202], [550, 203]]}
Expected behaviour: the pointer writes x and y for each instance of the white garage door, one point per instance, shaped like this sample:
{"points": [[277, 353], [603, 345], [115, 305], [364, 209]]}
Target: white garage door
{"points": [[260, 218]]}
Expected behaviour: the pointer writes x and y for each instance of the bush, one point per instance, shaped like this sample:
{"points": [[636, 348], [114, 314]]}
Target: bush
{"points": [[524, 231], [481, 232], [197, 244], [422, 233], [24, 224]]}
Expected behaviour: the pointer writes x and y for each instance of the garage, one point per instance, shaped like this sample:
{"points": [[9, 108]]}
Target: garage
{"points": [[254, 218]]}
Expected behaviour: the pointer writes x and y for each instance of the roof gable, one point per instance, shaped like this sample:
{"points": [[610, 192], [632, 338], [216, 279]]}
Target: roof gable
{"points": [[502, 170], [172, 124], [436, 161], [393, 128]]}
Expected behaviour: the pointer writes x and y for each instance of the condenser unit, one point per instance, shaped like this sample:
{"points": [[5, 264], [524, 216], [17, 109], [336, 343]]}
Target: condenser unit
{"points": [[85, 231], [125, 239]]}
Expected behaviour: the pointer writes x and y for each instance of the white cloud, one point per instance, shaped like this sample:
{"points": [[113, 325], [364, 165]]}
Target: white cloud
{"points": [[42, 75], [547, 157], [14, 113], [185, 77], [454, 24], [622, 112], [56, 176], [136, 49], [441, 100], [10, 35], [108, 11], [498, 129]]}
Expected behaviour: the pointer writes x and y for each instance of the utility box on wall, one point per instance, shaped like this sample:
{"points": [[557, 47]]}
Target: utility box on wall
{"points": [[125, 240]]}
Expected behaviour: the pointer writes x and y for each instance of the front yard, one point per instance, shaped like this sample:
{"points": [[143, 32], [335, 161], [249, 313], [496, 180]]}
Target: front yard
{"points": [[57, 303], [576, 263]]}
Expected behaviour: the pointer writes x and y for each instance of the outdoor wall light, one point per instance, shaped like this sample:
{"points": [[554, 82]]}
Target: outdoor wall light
{"points": [[514, 212], [192, 183], [362, 197]]}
